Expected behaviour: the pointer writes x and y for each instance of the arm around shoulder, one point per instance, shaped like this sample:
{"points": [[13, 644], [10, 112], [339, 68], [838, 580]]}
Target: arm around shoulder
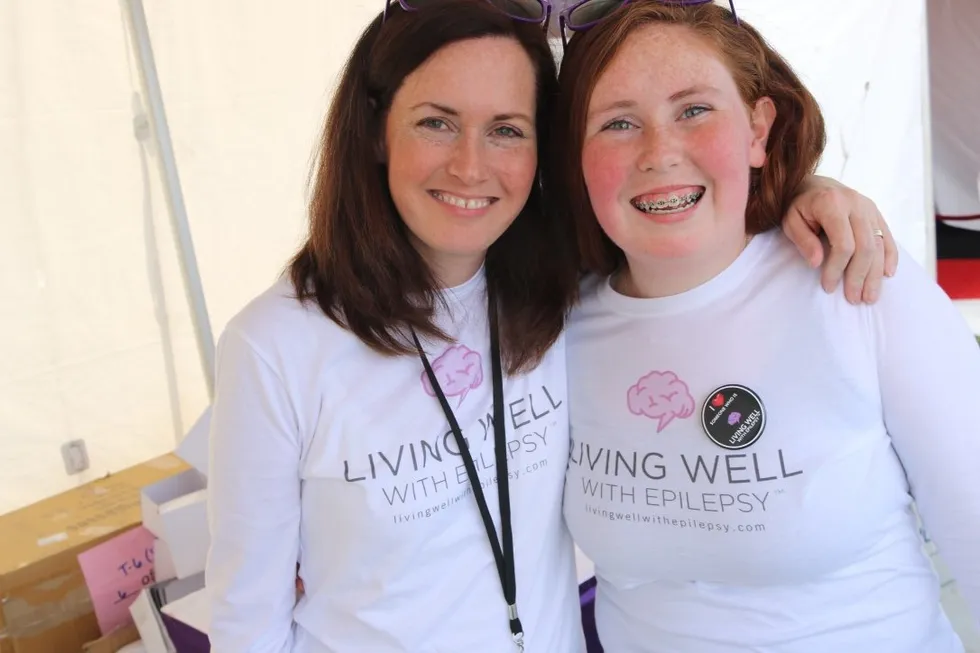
{"points": [[929, 373], [254, 503]]}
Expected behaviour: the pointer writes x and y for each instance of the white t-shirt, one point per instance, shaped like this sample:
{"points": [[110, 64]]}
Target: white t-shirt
{"points": [[804, 539], [329, 454]]}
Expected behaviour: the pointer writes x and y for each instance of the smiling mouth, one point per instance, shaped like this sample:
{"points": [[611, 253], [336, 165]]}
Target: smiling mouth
{"points": [[667, 203], [470, 204]]}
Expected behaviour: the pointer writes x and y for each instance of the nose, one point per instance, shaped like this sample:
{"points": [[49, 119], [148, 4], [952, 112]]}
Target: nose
{"points": [[661, 151], [469, 160]]}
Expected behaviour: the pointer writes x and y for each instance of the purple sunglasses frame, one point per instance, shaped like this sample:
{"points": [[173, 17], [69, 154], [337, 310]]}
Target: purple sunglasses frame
{"points": [[545, 20], [563, 23]]}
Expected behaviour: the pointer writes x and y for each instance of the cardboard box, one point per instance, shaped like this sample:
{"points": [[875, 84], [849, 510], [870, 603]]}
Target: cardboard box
{"points": [[114, 641], [44, 602], [175, 509]]}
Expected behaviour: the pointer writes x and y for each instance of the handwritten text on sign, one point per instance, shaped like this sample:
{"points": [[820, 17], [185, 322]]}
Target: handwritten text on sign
{"points": [[115, 572]]}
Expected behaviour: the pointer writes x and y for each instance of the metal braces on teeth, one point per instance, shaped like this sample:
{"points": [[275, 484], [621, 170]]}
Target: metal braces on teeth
{"points": [[672, 203]]}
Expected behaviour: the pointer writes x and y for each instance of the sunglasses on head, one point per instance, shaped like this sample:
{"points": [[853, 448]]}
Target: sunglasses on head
{"points": [[578, 17], [526, 11], [585, 14]]}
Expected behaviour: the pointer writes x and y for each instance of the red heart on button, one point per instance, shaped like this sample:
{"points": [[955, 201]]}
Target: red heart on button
{"points": [[718, 400]]}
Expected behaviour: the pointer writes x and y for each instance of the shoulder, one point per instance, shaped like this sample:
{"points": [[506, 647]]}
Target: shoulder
{"points": [[911, 279], [911, 282], [913, 302], [271, 316], [779, 256], [281, 329], [912, 307], [780, 274]]}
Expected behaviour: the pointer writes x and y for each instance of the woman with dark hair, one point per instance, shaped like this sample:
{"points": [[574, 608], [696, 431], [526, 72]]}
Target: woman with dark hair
{"points": [[393, 415], [366, 405], [746, 448]]}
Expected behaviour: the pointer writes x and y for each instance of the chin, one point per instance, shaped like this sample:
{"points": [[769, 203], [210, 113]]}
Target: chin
{"points": [[670, 247], [457, 249], [670, 254]]}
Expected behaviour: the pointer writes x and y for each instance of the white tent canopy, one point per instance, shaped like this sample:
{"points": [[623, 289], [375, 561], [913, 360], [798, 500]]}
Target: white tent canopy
{"points": [[97, 340]]}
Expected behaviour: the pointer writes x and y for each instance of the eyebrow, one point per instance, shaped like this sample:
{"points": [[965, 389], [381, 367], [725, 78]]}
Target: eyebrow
{"points": [[679, 95], [620, 104], [449, 111], [693, 90]]}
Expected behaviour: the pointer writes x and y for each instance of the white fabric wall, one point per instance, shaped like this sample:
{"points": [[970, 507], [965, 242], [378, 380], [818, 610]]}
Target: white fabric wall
{"points": [[96, 340], [865, 65], [954, 50]]}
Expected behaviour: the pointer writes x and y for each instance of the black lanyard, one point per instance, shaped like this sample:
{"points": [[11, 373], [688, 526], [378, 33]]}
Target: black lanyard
{"points": [[503, 556]]}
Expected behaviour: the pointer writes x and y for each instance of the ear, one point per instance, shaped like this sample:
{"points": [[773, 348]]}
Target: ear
{"points": [[762, 117]]}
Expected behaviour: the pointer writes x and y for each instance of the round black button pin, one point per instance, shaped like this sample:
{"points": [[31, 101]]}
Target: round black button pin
{"points": [[733, 417]]}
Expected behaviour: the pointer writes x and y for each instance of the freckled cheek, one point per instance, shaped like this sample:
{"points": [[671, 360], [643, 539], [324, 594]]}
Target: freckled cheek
{"points": [[516, 168], [414, 161], [723, 155], [605, 175]]}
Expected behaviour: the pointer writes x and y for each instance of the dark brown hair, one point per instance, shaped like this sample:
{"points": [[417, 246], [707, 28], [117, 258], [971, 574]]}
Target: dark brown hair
{"points": [[796, 140], [358, 263]]}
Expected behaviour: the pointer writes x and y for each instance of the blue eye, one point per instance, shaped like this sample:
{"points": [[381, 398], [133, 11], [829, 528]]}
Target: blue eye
{"points": [[618, 125], [433, 123], [508, 132], [693, 112]]}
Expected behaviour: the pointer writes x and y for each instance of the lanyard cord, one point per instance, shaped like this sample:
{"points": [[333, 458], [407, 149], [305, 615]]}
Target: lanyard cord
{"points": [[503, 552]]}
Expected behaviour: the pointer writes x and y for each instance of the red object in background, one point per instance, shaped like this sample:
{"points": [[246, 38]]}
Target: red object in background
{"points": [[959, 277], [957, 218], [958, 249]]}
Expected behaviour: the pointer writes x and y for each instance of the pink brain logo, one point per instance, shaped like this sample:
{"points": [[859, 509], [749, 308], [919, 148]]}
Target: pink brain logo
{"points": [[660, 396], [458, 370]]}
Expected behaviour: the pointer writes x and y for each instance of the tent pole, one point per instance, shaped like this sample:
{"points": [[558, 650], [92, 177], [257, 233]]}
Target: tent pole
{"points": [[140, 34]]}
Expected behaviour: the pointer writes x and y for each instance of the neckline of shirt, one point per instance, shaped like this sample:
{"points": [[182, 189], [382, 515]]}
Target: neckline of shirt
{"points": [[465, 289], [697, 297]]}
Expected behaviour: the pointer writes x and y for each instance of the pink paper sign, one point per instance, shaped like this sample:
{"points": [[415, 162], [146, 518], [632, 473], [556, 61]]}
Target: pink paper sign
{"points": [[115, 572]]}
